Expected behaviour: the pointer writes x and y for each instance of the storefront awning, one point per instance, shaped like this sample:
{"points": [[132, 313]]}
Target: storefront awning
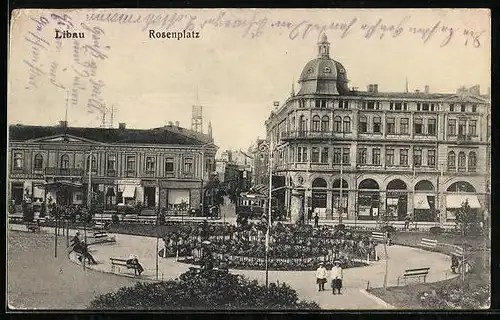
{"points": [[129, 192], [420, 202], [392, 201], [455, 201]]}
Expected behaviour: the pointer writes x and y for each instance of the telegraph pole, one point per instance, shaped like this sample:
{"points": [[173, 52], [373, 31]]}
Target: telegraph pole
{"points": [[341, 205], [270, 152], [157, 236], [386, 261], [89, 202]]}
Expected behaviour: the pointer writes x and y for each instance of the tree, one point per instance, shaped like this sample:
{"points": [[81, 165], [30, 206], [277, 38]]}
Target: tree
{"points": [[466, 218]]}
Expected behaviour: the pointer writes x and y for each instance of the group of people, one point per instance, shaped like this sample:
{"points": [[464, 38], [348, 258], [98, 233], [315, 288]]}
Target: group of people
{"points": [[336, 276]]}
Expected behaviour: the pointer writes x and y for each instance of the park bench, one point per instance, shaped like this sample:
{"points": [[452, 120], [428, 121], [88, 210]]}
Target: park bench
{"points": [[100, 234], [32, 226], [117, 263], [414, 273]]}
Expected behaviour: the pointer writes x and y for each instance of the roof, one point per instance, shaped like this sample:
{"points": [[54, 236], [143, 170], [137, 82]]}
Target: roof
{"points": [[163, 135], [417, 95]]}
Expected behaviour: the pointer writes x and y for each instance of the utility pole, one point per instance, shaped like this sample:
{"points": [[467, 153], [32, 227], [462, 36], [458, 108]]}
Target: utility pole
{"points": [[341, 202], [89, 202], [270, 153], [157, 237], [386, 261]]}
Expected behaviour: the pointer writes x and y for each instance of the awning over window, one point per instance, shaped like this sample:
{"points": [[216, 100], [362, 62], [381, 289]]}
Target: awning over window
{"points": [[455, 201], [178, 196], [392, 201], [420, 202], [38, 192], [62, 184], [129, 192]]}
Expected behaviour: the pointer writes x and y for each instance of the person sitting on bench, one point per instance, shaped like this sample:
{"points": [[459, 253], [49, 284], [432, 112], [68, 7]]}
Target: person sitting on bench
{"points": [[133, 260], [82, 248], [75, 239]]}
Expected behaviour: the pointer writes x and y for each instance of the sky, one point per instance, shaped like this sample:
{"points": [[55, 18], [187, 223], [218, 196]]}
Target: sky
{"points": [[242, 62]]}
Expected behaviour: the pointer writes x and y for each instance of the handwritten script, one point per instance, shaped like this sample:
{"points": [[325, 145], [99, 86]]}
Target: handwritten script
{"points": [[48, 60], [259, 23]]}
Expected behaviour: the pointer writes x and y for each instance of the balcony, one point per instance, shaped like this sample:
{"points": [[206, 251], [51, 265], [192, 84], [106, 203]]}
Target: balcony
{"points": [[464, 139], [306, 135], [64, 172]]}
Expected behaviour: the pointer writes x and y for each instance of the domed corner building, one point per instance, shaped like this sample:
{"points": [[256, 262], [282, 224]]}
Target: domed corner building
{"points": [[368, 155]]}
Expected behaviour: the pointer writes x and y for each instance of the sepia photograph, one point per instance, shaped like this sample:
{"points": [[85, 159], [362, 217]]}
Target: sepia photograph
{"points": [[248, 159]]}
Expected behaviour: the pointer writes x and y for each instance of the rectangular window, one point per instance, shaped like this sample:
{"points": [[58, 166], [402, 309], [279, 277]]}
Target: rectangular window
{"points": [[431, 127], [18, 160], [462, 107], [377, 105], [317, 103], [425, 107], [403, 157], [377, 125], [346, 156], [315, 155], [323, 103], [417, 157], [346, 104], [431, 158], [452, 107], [432, 106], [452, 127], [404, 125], [474, 108], [363, 125], [418, 126], [301, 154], [472, 128], [418, 106], [376, 156], [337, 155], [371, 105], [188, 165], [150, 164], [461, 127], [405, 106], [397, 106], [324, 155], [362, 156], [389, 157], [391, 126], [131, 163], [169, 165], [111, 162], [391, 105]]}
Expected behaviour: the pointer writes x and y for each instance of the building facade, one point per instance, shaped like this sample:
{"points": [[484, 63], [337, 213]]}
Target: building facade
{"points": [[163, 166], [371, 154]]}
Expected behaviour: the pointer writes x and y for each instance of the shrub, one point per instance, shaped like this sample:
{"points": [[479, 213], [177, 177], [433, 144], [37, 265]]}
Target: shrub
{"points": [[388, 229], [206, 289], [435, 230], [115, 219], [339, 227]]}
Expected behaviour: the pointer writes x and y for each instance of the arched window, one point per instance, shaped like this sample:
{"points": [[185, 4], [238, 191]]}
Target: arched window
{"points": [[347, 125], [337, 124], [316, 124], [363, 124], [461, 161], [64, 161], [472, 161], [38, 161], [94, 163], [451, 160], [302, 123], [325, 123]]}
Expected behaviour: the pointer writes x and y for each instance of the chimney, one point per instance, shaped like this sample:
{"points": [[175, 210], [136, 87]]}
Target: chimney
{"points": [[63, 124], [370, 88], [375, 88], [170, 123], [121, 125], [177, 124], [427, 89]]}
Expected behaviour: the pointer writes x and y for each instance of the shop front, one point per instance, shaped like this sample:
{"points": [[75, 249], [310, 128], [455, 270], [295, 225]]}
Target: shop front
{"points": [[178, 197]]}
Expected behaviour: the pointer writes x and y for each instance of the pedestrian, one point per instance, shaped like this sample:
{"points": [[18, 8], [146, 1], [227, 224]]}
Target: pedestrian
{"points": [[337, 276], [407, 222], [316, 221], [133, 260], [321, 277], [76, 239], [309, 215]]}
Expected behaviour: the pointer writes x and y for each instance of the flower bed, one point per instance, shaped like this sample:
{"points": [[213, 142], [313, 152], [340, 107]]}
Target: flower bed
{"points": [[291, 247]]}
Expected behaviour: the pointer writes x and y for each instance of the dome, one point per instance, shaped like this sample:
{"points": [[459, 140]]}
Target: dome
{"points": [[323, 75]]}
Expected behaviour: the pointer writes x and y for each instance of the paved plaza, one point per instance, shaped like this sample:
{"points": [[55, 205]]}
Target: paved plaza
{"points": [[355, 279]]}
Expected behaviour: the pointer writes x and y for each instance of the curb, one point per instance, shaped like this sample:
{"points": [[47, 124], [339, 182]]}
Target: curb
{"points": [[377, 299]]}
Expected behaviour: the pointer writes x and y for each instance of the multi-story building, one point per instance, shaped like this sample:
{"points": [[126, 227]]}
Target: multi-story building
{"points": [[165, 165], [260, 166], [234, 169], [374, 154]]}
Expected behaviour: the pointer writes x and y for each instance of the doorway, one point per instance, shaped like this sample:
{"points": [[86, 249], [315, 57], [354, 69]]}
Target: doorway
{"points": [[150, 197]]}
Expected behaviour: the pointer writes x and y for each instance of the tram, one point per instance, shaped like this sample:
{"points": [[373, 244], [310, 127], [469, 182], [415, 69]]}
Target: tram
{"points": [[253, 205]]}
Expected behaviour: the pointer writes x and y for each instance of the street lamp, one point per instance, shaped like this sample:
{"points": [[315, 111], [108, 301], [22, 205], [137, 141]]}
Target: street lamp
{"points": [[263, 147]]}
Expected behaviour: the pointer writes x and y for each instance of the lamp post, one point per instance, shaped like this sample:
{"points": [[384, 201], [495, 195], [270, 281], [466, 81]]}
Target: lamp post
{"points": [[89, 202], [263, 147], [157, 236], [341, 205]]}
